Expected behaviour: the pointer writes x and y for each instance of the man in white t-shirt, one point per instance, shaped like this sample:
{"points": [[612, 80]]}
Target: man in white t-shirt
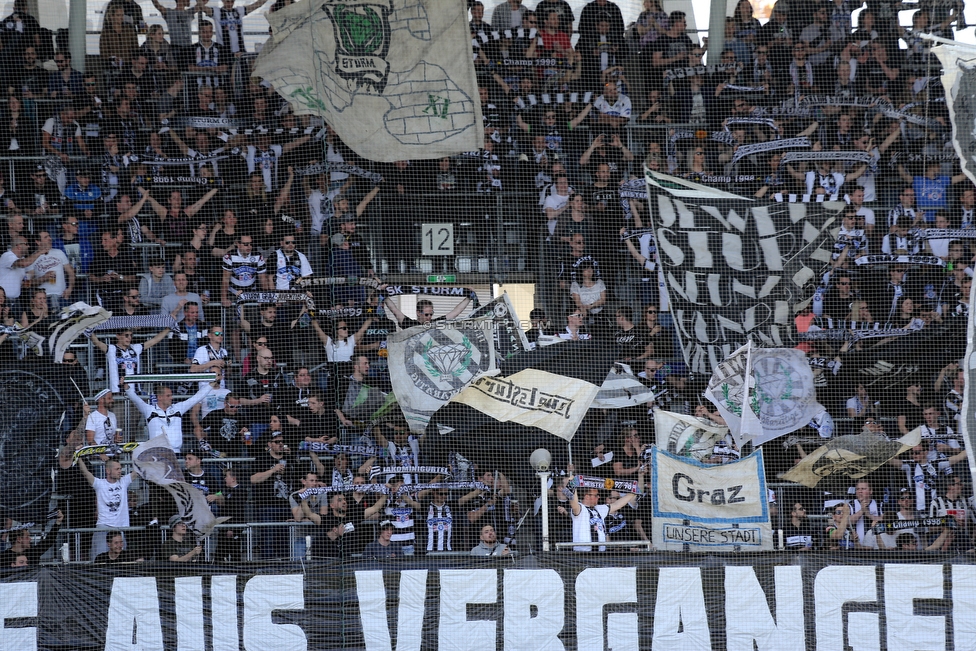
{"points": [[102, 423], [13, 269], [211, 358], [557, 202], [112, 500], [589, 516], [614, 107], [59, 286]]}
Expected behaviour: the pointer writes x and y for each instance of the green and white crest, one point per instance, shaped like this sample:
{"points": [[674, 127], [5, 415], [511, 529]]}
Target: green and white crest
{"points": [[362, 34]]}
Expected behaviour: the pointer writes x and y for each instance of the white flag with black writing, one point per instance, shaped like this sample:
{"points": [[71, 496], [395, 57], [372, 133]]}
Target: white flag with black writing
{"points": [[554, 403]]}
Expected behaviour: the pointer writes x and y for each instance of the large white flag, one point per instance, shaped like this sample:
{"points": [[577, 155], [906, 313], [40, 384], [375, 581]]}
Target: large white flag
{"points": [[959, 81], [394, 77], [156, 462], [430, 365], [554, 403], [783, 398]]}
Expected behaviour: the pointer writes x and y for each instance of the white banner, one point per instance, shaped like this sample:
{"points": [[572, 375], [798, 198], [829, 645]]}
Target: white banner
{"points": [[395, 78], [687, 436], [622, 389], [554, 403], [959, 81], [718, 508], [430, 365], [156, 462], [784, 397]]}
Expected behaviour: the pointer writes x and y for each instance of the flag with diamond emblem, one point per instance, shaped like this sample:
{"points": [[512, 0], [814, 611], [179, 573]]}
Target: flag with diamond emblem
{"points": [[430, 365]]}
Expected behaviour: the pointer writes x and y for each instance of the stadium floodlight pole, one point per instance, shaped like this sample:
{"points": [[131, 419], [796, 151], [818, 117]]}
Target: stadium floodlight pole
{"points": [[540, 460], [77, 26], [716, 31]]}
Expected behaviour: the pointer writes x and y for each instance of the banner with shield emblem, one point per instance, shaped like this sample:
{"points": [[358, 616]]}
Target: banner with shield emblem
{"points": [[430, 364]]}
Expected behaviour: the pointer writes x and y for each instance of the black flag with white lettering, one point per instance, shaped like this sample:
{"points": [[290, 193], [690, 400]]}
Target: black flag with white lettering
{"points": [[735, 268]]}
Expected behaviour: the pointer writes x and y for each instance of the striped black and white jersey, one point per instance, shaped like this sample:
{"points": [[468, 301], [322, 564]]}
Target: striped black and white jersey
{"points": [[244, 270], [440, 522]]}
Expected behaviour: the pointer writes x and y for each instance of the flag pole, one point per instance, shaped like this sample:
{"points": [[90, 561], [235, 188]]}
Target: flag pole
{"points": [[944, 41]]}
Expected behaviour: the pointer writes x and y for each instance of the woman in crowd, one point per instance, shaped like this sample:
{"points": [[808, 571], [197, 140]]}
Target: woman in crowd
{"points": [[697, 165], [587, 291], [652, 22], [630, 456], [118, 42], [38, 316], [339, 344], [656, 340]]}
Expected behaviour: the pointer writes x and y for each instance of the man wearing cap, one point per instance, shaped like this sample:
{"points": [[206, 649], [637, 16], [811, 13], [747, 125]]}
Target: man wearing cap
{"points": [[488, 544], [906, 511], [178, 549], [102, 426], [272, 484], [357, 245], [166, 418], [83, 196], [383, 546]]}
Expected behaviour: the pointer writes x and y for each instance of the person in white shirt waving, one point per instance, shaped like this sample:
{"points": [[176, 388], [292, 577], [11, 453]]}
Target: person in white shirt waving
{"points": [[589, 516], [166, 417]]}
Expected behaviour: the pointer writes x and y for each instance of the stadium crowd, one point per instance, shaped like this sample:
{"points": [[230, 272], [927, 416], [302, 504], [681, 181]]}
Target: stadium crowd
{"points": [[166, 181]]}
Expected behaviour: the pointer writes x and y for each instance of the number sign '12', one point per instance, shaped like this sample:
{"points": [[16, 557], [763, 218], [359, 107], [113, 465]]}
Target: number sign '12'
{"points": [[438, 239]]}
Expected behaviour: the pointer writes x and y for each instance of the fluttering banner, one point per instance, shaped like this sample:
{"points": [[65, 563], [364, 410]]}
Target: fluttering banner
{"points": [[395, 77], [553, 403], [853, 456], [156, 462], [687, 436], [779, 398], [429, 365], [735, 267]]}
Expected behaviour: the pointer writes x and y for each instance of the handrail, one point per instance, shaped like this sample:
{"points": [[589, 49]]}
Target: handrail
{"points": [[608, 543]]}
